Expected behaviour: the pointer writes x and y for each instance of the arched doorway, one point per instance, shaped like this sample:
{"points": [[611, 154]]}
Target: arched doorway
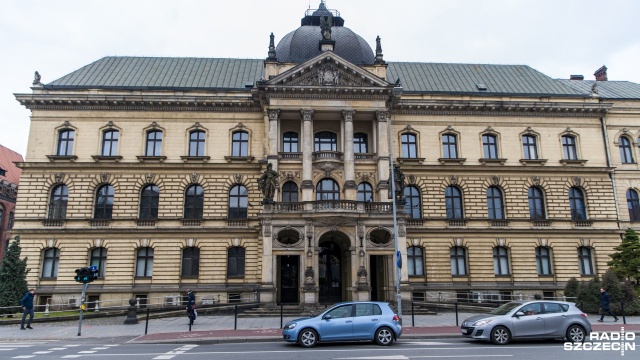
{"points": [[333, 268]]}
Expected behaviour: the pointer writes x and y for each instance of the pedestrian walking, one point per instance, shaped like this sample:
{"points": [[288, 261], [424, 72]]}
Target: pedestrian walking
{"points": [[27, 308], [191, 306], [605, 305]]}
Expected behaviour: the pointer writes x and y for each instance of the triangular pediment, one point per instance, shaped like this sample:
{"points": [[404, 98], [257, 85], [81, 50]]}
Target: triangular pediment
{"points": [[328, 70]]}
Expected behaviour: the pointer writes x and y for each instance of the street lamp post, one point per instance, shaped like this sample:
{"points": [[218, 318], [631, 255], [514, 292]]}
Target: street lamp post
{"points": [[396, 92]]}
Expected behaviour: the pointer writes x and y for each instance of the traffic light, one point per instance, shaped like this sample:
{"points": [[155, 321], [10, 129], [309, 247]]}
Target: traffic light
{"points": [[87, 274]]}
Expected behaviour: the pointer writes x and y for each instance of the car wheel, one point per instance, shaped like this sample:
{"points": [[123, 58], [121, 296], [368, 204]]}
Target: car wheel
{"points": [[308, 338], [500, 335], [576, 334], [384, 336]]}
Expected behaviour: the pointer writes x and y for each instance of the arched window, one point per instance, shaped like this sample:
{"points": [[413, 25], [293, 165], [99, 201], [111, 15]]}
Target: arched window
{"points": [[99, 260], [626, 155], [365, 192], [154, 143], [110, 143], [543, 260], [58, 202], [536, 204], [633, 205], [240, 144], [415, 261], [196, 143], [458, 257], [190, 262], [501, 260], [409, 145], [490, 146], [360, 143], [449, 146], [193, 202], [149, 201], [326, 141], [238, 202], [290, 142], [104, 202], [50, 262], [65, 142], [413, 203], [235, 261], [494, 203], [585, 260], [290, 192], [453, 201], [144, 262], [529, 147], [576, 204], [327, 189], [569, 150]]}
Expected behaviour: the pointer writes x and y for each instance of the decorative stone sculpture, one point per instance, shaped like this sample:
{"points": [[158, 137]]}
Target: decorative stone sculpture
{"points": [[268, 183]]}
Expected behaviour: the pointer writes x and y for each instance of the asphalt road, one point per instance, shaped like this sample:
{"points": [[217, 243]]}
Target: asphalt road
{"points": [[118, 349]]}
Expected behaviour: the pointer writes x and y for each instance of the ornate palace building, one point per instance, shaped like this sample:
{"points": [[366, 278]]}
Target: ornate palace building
{"points": [[269, 178]]}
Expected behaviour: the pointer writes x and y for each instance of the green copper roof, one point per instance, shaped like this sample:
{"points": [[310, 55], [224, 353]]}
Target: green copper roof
{"points": [[161, 73]]}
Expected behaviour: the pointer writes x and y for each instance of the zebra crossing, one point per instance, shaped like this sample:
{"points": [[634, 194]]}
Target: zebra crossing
{"points": [[22, 348]]}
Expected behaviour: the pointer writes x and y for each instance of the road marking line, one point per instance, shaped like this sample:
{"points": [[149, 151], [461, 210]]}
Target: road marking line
{"points": [[70, 356], [86, 352], [58, 349], [164, 357], [459, 356], [99, 348], [42, 352], [23, 357]]}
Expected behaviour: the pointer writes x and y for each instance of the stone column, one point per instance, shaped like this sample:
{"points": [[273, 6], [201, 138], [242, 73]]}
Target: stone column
{"points": [[349, 158], [307, 153], [383, 156], [274, 116]]}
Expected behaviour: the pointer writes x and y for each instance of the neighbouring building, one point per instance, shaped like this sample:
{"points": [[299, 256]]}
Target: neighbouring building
{"points": [[152, 169], [9, 179]]}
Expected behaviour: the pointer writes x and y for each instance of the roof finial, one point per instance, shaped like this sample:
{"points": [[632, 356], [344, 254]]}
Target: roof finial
{"points": [[379, 59], [272, 49]]}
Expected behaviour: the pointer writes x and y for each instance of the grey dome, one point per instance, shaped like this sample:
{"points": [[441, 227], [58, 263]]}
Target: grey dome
{"points": [[302, 44]]}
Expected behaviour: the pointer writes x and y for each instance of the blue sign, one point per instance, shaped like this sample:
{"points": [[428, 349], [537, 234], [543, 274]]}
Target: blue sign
{"points": [[398, 259]]}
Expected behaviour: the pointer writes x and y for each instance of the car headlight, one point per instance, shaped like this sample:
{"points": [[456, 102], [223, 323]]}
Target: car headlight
{"points": [[481, 322], [290, 326]]}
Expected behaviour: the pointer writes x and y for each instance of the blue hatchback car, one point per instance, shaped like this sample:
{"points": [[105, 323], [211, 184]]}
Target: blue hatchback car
{"points": [[346, 321]]}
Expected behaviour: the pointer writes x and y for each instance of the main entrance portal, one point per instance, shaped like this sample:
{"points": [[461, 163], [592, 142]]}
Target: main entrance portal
{"points": [[289, 269], [329, 273]]}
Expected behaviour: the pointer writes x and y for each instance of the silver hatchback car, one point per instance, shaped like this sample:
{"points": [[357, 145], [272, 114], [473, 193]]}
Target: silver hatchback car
{"points": [[540, 319], [347, 321]]}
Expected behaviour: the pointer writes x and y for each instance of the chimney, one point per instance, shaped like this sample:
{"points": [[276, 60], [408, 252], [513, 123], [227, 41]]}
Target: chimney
{"points": [[601, 74], [576, 77]]}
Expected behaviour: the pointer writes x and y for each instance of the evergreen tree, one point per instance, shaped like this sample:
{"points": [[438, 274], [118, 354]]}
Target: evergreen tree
{"points": [[626, 260], [571, 289], [13, 278]]}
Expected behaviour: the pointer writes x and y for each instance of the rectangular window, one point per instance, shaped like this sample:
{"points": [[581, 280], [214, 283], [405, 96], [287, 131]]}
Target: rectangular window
{"points": [[569, 148], [65, 142], [449, 146], [529, 147], [110, 143], [154, 143], [489, 147]]}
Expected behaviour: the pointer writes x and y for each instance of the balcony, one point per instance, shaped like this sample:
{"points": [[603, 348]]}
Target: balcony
{"points": [[499, 223], [331, 205], [99, 222], [327, 155], [52, 222], [290, 155]]}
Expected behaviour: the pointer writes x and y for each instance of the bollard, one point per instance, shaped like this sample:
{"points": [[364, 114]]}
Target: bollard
{"points": [[46, 310], [456, 304], [281, 317], [97, 306], [146, 326], [131, 313], [138, 303], [413, 318], [235, 317]]}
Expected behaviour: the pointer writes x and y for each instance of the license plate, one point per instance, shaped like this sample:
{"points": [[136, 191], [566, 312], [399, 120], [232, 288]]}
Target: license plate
{"points": [[465, 331]]}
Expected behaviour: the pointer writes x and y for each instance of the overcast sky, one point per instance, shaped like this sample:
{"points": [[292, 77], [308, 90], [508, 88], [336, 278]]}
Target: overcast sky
{"points": [[555, 37]]}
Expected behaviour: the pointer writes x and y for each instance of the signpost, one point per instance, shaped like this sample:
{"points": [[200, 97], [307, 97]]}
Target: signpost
{"points": [[85, 276]]}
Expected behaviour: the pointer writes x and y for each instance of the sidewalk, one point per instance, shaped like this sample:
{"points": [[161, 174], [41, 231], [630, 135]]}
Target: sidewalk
{"points": [[216, 329]]}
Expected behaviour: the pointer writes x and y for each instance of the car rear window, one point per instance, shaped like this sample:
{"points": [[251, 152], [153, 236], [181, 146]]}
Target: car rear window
{"points": [[368, 310], [551, 308]]}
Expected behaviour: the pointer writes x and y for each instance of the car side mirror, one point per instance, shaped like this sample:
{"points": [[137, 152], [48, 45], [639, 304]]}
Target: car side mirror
{"points": [[519, 313], [326, 317]]}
